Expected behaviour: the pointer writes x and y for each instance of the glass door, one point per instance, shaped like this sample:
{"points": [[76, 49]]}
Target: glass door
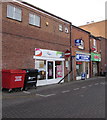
{"points": [[50, 70]]}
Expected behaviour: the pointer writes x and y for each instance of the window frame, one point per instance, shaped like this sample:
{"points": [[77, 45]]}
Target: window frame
{"points": [[14, 13], [66, 30], [60, 27], [95, 44], [34, 15]]}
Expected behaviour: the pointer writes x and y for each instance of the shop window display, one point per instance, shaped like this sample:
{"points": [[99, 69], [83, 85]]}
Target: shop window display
{"points": [[79, 68], [41, 66], [58, 69]]}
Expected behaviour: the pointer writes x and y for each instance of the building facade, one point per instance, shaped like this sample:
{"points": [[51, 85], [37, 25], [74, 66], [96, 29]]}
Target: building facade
{"points": [[34, 38], [96, 58], [99, 30], [80, 52]]}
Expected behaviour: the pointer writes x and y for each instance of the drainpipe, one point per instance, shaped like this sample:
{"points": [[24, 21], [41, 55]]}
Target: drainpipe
{"points": [[90, 54], [70, 59]]}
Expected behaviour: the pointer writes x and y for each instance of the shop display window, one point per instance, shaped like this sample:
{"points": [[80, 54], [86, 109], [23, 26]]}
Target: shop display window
{"points": [[79, 68], [41, 66], [58, 69]]}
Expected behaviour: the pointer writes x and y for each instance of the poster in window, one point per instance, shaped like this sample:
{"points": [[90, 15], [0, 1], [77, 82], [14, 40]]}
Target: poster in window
{"points": [[59, 71], [50, 72]]}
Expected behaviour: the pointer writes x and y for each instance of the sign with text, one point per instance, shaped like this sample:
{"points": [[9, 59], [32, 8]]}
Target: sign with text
{"points": [[48, 53], [77, 42], [82, 57], [95, 57]]}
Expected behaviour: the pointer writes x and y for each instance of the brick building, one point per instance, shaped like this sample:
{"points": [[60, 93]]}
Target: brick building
{"points": [[34, 38], [96, 59], [99, 30], [86, 57], [80, 53]]}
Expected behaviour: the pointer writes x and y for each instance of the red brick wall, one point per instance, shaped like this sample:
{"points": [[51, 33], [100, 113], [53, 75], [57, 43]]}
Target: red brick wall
{"points": [[20, 39]]}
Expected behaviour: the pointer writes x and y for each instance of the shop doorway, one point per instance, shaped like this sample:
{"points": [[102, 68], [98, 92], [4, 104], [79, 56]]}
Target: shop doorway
{"points": [[50, 70], [95, 68]]}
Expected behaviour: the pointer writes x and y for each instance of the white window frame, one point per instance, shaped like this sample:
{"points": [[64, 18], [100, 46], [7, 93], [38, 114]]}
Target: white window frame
{"points": [[34, 18], [13, 12], [95, 45], [60, 28], [66, 30]]}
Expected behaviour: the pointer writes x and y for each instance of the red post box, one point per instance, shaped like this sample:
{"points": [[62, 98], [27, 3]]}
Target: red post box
{"points": [[13, 79]]}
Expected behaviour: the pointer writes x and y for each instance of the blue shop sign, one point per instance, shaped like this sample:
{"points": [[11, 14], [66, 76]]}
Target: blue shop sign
{"points": [[77, 42], [82, 57]]}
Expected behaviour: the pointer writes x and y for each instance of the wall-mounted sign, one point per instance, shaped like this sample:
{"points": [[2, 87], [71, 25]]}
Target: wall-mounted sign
{"points": [[48, 53], [77, 42], [81, 46], [93, 48], [82, 57], [95, 57]]}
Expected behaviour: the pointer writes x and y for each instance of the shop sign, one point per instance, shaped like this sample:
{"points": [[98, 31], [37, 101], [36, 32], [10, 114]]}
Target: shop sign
{"points": [[82, 57], [95, 57], [77, 42], [48, 53], [93, 48]]}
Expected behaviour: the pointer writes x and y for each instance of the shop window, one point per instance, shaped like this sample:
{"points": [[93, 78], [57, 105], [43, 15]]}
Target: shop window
{"points": [[41, 66], [14, 12], [79, 68], [58, 69], [34, 20], [60, 28]]}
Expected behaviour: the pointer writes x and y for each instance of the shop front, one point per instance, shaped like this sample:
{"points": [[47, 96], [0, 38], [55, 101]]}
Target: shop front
{"points": [[95, 58], [50, 65], [82, 64]]}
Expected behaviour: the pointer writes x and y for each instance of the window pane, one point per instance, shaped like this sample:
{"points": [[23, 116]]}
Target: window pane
{"points": [[10, 11], [17, 14], [37, 20], [17, 10], [60, 28], [58, 69], [41, 66], [31, 19]]}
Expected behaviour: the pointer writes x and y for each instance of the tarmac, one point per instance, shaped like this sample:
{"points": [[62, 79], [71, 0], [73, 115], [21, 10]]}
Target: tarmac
{"points": [[17, 92]]}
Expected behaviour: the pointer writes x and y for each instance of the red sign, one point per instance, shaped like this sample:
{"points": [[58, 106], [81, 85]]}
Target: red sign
{"points": [[93, 49], [67, 53]]}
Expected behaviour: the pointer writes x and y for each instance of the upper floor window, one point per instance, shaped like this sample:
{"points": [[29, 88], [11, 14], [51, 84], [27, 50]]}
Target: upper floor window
{"points": [[14, 12], [34, 20], [95, 45], [66, 30], [60, 28]]}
